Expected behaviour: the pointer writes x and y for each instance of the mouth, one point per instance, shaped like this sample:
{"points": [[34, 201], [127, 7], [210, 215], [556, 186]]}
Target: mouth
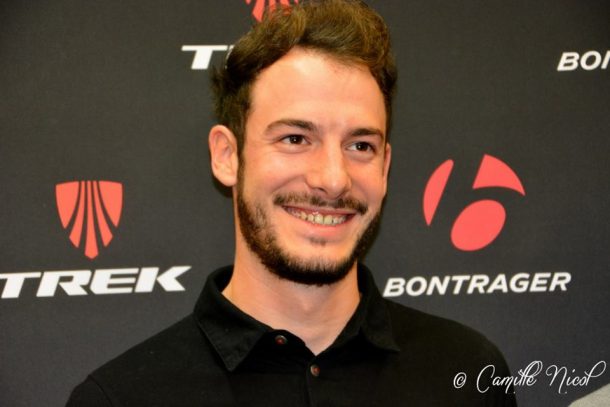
{"points": [[325, 218]]}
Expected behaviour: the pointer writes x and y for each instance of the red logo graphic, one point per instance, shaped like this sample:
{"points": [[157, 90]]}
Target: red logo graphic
{"points": [[99, 202], [259, 6], [482, 221]]}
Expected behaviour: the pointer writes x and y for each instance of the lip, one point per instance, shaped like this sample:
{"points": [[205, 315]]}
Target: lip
{"points": [[322, 211], [339, 217]]}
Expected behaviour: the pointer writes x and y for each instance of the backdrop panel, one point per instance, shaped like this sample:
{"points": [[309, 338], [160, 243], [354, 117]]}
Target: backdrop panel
{"points": [[497, 213]]}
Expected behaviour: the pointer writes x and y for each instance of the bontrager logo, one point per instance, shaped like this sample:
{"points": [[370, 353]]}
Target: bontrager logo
{"points": [[259, 6], [588, 61], [90, 211], [481, 222], [469, 284]]}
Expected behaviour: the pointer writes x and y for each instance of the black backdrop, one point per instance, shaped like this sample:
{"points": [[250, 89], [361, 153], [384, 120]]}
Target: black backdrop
{"points": [[106, 91]]}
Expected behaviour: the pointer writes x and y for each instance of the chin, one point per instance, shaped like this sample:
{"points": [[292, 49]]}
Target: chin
{"points": [[315, 272], [310, 260]]}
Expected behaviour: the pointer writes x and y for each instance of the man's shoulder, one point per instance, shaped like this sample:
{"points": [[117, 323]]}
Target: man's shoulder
{"points": [[162, 351], [150, 367], [418, 331], [442, 352]]}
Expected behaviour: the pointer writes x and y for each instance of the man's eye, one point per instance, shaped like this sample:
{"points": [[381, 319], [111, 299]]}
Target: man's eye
{"points": [[294, 139], [361, 146]]}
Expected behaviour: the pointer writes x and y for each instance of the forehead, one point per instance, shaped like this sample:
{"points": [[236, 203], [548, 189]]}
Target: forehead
{"points": [[307, 84]]}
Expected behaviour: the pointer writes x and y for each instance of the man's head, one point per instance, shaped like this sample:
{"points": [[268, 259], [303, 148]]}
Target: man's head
{"points": [[309, 89], [346, 30]]}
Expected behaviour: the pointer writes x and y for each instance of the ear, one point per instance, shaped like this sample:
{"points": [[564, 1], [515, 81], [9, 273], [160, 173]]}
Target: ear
{"points": [[223, 155], [386, 165]]}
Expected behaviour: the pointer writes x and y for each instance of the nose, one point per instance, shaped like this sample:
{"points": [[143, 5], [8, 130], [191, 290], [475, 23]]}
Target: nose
{"points": [[328, 173]]}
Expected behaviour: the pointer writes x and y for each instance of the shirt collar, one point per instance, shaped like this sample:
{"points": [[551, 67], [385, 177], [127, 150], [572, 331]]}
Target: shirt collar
{"points": [[234, 333], [371, 316]]}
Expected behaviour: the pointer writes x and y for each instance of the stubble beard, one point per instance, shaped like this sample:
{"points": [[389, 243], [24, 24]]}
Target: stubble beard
{"points": [[262, 240]]}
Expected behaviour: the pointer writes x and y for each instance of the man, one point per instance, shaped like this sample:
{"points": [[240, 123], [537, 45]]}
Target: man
{"points": [[304, 106]]}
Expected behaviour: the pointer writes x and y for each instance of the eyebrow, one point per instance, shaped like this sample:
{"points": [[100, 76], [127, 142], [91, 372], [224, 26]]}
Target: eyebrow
{"points": [[301, 124], [310, 126], [368, 131]]}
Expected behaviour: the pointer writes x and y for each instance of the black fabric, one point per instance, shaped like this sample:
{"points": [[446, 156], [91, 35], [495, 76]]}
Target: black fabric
{"points": [[387, 355]]}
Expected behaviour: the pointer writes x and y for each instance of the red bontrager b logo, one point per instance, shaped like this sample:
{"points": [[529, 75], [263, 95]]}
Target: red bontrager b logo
{"points": [[482, 221], [90, 206], [259, 6]]}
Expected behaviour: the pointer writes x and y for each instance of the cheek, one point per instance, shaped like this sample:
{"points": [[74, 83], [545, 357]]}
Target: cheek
{"points": [[265, 174], [374, 193], [371, 180]]}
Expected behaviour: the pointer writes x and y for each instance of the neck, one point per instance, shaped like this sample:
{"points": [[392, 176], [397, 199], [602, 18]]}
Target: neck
{"points": [[316, 314]]}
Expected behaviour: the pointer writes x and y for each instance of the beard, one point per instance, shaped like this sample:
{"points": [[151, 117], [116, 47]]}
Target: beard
{"points": [[263, 240]]}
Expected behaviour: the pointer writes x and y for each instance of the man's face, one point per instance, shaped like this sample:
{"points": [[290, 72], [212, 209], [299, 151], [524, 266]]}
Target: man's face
{"points": [[314, 166]]}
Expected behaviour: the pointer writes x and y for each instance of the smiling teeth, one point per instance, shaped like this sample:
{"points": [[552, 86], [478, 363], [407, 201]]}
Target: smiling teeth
{"points": [[317, 218]]}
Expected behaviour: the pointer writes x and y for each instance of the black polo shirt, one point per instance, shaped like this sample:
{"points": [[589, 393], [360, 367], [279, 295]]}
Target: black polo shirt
{"points": [[387, 355]]}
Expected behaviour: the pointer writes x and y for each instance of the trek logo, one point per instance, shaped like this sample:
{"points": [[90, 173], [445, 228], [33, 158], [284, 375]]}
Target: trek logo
{"points": [[102, 281], [259, 6], [203, 53], [90, 211], [480, 223], [588, 61]]}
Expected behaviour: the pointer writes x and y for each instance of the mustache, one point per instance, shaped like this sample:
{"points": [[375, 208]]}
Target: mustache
{"points": [[313, 200]]}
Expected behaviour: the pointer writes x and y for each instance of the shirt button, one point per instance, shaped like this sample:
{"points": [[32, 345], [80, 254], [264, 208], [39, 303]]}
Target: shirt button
{"points": [[280, 340], [315, 370]]}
